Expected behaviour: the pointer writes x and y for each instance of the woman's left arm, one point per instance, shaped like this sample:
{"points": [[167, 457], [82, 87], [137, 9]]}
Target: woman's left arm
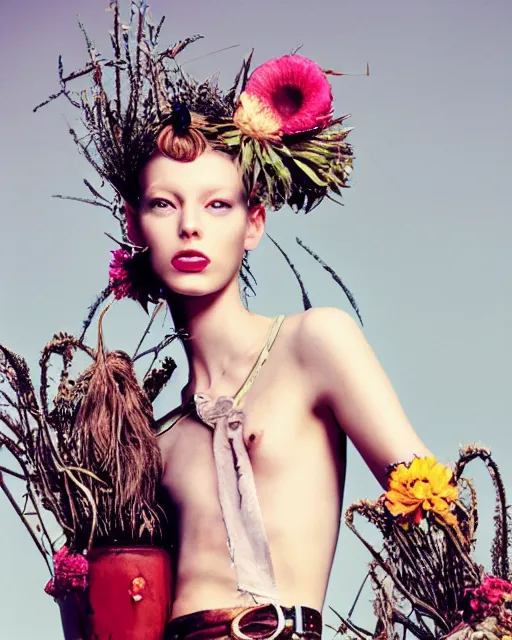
{"points": [[349, 379]]}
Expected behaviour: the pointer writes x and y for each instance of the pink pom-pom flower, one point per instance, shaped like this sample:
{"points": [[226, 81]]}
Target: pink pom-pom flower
{"points": [[489, 599], [294, 90], [71, 571], [120, 275]]}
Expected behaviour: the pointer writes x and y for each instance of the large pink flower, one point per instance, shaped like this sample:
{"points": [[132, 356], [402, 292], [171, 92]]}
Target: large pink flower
{"points": [[70, 573], [295, 90]]}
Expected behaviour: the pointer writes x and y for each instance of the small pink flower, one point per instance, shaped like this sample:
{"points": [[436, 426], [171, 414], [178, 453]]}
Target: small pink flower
{"points": [[489, 599], [120, 275], [295, 90], [71, 571]]}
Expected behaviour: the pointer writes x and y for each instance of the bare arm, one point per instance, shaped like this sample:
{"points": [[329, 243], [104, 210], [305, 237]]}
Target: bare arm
{"points": [[349, 379]]}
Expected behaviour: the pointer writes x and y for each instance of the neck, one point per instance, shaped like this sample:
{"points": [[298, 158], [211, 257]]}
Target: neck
{"points": [[224, 340]]}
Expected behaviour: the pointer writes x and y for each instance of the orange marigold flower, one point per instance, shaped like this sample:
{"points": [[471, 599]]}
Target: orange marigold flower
{"points": [[256, 120], [423, 485]]}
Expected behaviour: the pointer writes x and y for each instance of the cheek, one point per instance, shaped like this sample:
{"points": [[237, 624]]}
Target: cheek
{"points": [[231, 247], [133, 236], [235, 230], [158, 239], [156, 233]]}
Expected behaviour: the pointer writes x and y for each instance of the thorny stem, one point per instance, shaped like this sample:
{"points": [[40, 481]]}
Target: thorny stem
{"points": [[90, 497], [454, 537], [501, 566], [359, 631], [11, 425], [117, 53], [26, 477], [305, 298], [358, 595], [15, 506], [409, 625], [421, 622], [35, 505], [156, 311], [12, 473], [11, 446], [334, 276], [392, 573], [405, 548], [156, 351]]}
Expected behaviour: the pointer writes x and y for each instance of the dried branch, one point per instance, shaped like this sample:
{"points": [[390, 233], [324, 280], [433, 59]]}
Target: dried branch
{"points": [[334, 276], [502, 539], [305, 298], [20, 514]]}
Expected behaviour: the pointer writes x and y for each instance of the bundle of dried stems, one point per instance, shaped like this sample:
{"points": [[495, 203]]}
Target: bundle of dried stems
{"points": [[424, 575], [91, 458]]}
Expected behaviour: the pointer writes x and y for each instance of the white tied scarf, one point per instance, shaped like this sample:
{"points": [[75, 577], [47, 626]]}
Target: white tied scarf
{"points": [[246, 537]]}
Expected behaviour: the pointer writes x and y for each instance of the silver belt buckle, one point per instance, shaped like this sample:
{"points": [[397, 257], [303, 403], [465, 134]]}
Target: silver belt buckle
{"points": [[240, 635], [299, 623]]}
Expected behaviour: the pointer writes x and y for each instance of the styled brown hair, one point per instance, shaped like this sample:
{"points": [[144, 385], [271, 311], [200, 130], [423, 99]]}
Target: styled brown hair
{"points": [[183, 146]]}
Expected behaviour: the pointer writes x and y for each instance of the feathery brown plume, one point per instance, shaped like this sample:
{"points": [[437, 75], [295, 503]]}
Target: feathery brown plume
{"points": [[114, 440]]}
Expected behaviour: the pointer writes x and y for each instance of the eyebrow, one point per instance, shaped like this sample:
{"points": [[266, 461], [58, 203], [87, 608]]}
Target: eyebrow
{"points": [[213, 190], [202, 194]]}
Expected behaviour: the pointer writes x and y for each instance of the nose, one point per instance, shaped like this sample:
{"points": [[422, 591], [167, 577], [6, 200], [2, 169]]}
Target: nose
{"points": [[190, 223]]}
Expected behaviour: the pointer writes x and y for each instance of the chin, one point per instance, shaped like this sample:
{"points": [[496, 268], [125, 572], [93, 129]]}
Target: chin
{"points": [[194, 286]]}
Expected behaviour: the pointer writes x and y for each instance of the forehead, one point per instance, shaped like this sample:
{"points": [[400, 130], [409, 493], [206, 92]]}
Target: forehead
{"points": [[211, 170]]}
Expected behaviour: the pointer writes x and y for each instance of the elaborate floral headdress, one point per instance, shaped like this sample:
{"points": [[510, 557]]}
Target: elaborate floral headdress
{"points": [[277, 123]]}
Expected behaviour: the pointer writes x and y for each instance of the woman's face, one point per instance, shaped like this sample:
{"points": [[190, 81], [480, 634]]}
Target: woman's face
{"points": [[194, 218]]}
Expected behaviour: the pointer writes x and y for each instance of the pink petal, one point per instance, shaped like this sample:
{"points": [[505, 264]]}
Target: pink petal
{"points": [[296, 90]]}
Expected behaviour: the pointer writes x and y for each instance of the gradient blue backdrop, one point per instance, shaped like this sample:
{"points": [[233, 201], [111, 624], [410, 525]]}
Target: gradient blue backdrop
{"points": [[423, 240]]}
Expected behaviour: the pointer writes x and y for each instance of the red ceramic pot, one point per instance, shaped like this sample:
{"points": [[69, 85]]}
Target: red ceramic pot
{"points": [[129, 596]]}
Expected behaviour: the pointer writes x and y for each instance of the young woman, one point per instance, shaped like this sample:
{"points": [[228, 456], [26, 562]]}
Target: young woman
{"points": [[254, 458], [320, 383]]}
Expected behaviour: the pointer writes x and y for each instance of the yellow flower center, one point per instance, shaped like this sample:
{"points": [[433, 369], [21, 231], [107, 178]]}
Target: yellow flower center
{"points": [[256, 120]]}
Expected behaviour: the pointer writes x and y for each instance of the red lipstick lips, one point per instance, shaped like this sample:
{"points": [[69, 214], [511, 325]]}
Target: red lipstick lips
{"points": [[190, 261]]}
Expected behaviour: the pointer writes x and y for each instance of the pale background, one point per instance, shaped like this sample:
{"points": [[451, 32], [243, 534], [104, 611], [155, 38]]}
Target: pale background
{"points": [[423, 240]]}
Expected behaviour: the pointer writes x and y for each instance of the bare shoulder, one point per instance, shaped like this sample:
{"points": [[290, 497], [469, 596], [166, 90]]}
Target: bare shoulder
{"points": [[327, 345], [316, 331], [166, 429], [166, 422], [319, 320]]}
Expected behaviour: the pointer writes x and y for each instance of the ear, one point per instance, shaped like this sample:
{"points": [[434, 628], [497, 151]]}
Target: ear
{"points": [[255, 226], [132, 223]]}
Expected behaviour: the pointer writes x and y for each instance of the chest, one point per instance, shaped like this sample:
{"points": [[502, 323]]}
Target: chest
{"points": [[274, 421]]}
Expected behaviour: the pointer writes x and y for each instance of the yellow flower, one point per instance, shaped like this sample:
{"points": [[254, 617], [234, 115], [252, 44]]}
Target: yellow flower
{"points": [[424, 485], [254, 119]]}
